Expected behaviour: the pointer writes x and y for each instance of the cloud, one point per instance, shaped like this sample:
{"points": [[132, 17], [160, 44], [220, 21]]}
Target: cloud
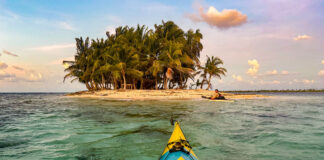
{"points": [[60, 61], [27, 76], [254, 67], [3, 66], [284, 72], [19, 74], [110, 29], [321, 73], [4, 75], [53, 47], [66, 26], [306, 81], [9, 53], [302, 37], [8, 15], [18, 68], [237, 77], [225, 19], [270, 82], [33, 77], [275, 73]]}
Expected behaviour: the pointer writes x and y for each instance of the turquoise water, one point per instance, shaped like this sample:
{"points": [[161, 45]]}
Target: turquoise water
{"points": [[51, 126]]}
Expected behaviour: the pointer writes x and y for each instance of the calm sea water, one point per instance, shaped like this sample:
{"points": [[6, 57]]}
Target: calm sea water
{"points": [[51, 126]]}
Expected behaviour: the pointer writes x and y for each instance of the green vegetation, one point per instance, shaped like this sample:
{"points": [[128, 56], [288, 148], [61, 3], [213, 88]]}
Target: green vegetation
{"points": [[142, 58]]}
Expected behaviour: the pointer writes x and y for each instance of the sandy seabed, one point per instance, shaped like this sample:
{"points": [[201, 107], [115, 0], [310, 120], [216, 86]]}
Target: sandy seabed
{"points": [[172, 94]]}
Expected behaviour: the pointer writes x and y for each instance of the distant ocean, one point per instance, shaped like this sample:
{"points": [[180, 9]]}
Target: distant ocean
{"points": [[287, 126]]}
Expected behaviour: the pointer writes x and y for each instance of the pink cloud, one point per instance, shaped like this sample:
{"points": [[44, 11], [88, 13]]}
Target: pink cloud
{"points": [[224, 19]]}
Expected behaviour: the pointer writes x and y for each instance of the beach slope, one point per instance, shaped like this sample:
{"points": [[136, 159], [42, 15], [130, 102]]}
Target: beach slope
{"points": [[172, 94]]}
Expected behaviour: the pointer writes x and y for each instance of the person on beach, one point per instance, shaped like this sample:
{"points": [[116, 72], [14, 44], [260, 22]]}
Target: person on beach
{"points": [[217, 95]]}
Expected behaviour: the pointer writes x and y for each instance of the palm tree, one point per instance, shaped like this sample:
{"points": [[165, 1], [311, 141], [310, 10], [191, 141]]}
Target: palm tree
{"points": [[78, 67], [165, 57], [211, 68]]}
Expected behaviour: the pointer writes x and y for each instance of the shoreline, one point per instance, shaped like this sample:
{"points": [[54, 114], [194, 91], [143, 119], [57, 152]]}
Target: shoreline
{"points": [[172, 94]]}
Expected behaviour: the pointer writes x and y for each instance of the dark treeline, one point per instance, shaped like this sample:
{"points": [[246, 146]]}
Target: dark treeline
{"points": [[142, 58]]}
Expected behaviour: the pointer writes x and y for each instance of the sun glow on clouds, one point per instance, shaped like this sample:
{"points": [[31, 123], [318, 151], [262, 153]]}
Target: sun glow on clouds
{"points": [[237, 77], [221, 19], [302, 37], [275, 72], [254, 67], [16, 74], [321, 73], [306, 81]]}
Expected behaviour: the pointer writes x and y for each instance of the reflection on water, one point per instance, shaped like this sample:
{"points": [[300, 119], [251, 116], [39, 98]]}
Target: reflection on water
{"points": [[50, 126]]}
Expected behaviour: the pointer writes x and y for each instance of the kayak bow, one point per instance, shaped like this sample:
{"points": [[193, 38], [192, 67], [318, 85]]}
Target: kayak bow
{"points": [[178, 147]]}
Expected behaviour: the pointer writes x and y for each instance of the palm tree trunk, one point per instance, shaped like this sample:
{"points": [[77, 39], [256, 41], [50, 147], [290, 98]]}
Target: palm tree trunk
{"points": [[209, 79], [202, 83], [134, 86], [88, 86], [180, 82], [165, 83], [124, 78], [115, 84], [103, 81], [93, 85], [141, 84]]}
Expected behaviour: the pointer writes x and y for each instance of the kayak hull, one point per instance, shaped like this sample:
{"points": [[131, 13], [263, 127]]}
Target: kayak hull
{"points": [[178, 147], [219, 100], [179, 155]]}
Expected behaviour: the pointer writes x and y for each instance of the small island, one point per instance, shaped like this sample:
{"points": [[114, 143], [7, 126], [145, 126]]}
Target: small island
{"points": [[171, 94], [142, 63]]}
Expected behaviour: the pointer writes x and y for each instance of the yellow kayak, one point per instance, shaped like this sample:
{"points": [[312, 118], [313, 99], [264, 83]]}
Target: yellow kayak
{"points": [[178, 147]]}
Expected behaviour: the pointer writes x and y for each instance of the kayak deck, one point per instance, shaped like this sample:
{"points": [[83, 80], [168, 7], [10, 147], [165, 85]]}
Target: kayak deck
{"points": [[178, 147]]}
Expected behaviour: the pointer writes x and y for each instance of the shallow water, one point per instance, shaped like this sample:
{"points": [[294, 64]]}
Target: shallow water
{"points": [[51, 126]]}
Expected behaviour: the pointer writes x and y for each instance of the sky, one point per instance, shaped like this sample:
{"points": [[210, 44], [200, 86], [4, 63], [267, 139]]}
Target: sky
{"points": [[265, 44]]}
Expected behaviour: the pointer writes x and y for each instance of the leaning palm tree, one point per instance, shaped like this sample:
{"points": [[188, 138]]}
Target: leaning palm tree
{"points": [[172, 60], [78, 67], [212, 69]]}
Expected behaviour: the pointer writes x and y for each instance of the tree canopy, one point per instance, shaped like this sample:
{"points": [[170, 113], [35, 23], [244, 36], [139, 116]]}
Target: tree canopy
{"points": [[142, 58]]}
